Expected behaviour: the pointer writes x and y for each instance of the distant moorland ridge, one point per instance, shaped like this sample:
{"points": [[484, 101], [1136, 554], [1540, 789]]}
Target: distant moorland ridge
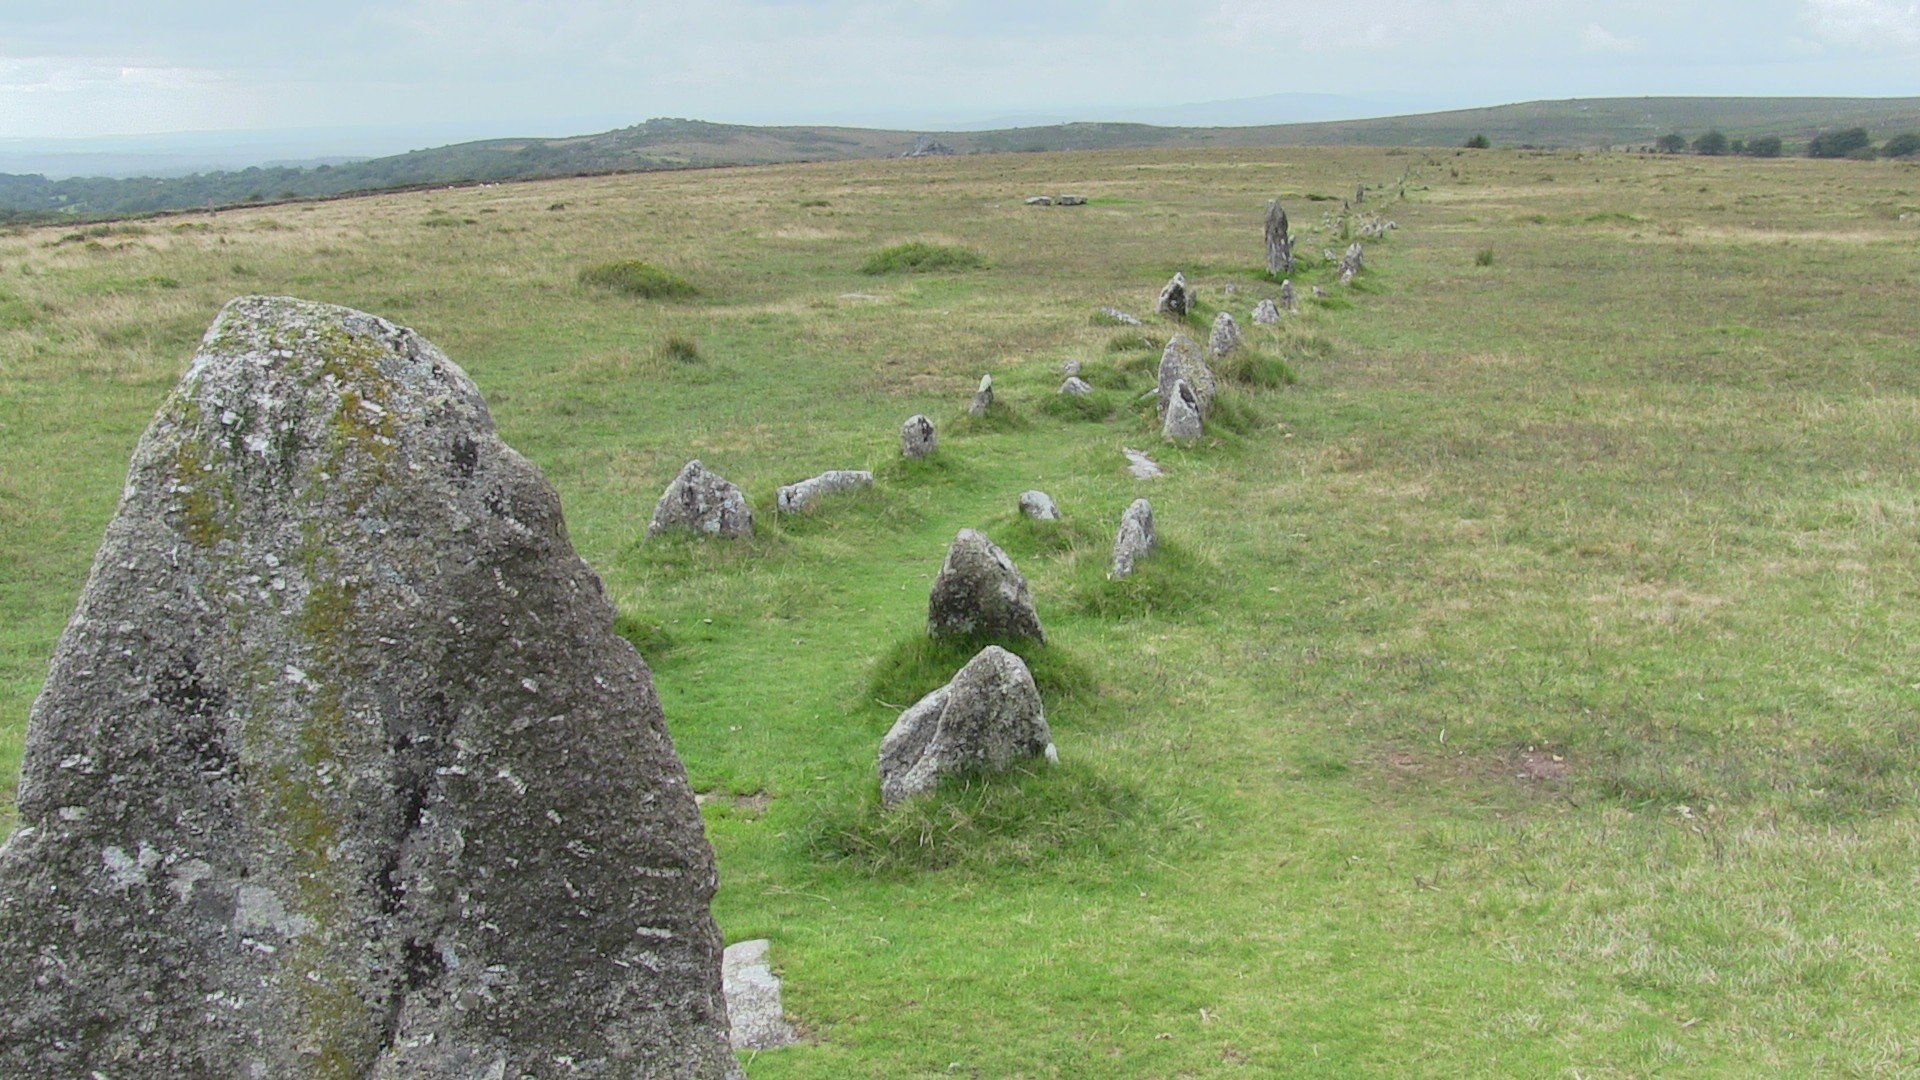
{"points": [[680, 144]]}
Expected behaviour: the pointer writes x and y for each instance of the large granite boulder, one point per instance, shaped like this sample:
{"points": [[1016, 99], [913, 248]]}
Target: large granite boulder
{"points": [[989, 718], [1135, 539], [979, 593], [1182, 360], [700, 500], [340, 770], [793, 498]]}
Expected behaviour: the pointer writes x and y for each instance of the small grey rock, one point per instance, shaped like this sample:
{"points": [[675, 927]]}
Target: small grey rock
{"points": [[1039, 200], [982, 397], [1225, 336], [1352, 263], [979, 592], [1135, 539], [753, 998], [1070, 368], [917, 438], [989, 717], [1038, 506], [1266, 314], [1182, 360], [1070, 200], [1174, 299], [1182, 421], [794, 498], [1120, 317], [702, 501], [1076, 386], [1140, 465]]}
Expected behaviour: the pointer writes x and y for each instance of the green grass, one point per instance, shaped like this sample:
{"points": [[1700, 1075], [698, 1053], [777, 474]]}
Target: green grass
{"points": [[921, 257], [631, 277], [1527, 689]]}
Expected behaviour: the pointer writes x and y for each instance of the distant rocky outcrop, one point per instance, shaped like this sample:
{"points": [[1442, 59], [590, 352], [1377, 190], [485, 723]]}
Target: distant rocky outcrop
{"points": [[1070, 200], [794, 498], [702, 501], [1135, 539], [989, 718], [1289, 298], [1114, 314], [928, 146], [1070, 368], [917, 438], [979, 593], [340, 769]]}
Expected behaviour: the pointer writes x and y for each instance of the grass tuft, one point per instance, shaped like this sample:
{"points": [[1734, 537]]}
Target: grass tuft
{"points": [[636, 278], [920, 257], [1169, 583], [680, 350], [1250, 368], [919, 664]]}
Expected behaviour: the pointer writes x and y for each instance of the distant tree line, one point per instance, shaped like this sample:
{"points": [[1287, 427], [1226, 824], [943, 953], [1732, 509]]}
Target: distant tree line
{"points": [[1853, 143]]}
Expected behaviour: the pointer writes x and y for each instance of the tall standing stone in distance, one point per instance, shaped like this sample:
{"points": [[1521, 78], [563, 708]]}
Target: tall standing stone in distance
{"points": [[1175, 299], [989, 718], [1225, 336], [340, 770], [1279, 242], [982, 397], [702, 501], [1180, 360], [979, 593], [1135, 539], [917, 438]]}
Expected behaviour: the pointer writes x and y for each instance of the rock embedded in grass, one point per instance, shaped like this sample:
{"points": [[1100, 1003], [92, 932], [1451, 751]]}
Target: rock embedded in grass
{"points": [[1114, 314], [1076, 386], [794, 498], [1352, 263], [1038, 506], [1182, 422], [1070, 368], [1225, 336], [753, 998], [700, 500], [1182, 360], [340, 769], [979, 593], [982, 397], [988, 719], [1175, 298], [1135, 539], [1289, 297], [917, 437], [1266, 314]]}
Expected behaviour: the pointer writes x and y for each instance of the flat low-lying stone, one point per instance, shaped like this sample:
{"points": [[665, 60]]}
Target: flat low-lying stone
{"points": [[1070, 200], [1121, 317], [1141, 466], [980, 593], [753, 998], [1135, 539], [702, 501], [989, 718], [1039, 506], [793, 498], [1076, 386]]}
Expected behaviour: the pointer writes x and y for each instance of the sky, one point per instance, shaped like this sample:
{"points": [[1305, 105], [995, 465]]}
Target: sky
{"points": [[469, 68]]}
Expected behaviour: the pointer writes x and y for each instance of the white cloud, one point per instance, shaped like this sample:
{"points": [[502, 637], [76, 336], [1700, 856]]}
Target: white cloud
{"points": [[1869, 24], [62, 95], [1597, 38]]}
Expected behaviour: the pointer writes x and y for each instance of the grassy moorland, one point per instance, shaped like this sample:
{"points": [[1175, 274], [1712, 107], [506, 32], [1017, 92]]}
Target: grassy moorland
{"points": [[1531, 688]]}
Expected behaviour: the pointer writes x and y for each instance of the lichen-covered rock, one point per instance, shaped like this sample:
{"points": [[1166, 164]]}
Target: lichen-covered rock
{"points": [[1135, 539], [1225, 336], [1289, 297], [1076, 387], [340, 770], [1174, 299], [753, 998], [702, 501], [980, 593], [1266, 314], [1279, 243], [1140, 465], [1070, 368], [793, 498], [982, 397], [917, 438], [1115, 315], [1070, 200], [1352, 263], [1038, 505], [1039, 200], [1182, 421], [1182, 360], [988, 718]]}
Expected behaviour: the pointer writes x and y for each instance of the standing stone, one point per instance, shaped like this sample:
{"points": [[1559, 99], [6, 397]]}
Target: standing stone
{"points": [[1182, 360], [1175, 299], [1360, 195], [702, 501], [980, 593], [1136, 538], [793, 498], [1289, 298], [1352, 263], [340, 770], [1279, 243], [1182, 421], [917, 438], [1039, 506], [1225, 336], [982, 397], [753, 998], [988, 718], [1265, 314], [1077, 387]]}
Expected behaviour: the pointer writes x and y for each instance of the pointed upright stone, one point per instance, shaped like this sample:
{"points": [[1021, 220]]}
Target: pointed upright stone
{"points": [[988, 719], [1225, 336], [340, 769], [701, 501], [1175, 299], [1182, 422], [917, 438], [1266, 314], [982, 397], [980, 593], [1135, 539], [1182, 360]]}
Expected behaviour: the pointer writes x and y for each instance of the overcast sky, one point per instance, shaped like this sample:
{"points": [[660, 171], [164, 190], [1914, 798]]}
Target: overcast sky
{"points": [[98, 67]]}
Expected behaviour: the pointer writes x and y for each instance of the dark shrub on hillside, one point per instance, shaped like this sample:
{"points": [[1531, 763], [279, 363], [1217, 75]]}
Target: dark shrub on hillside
{"points": [[1670, 144], [919, 257], [1902, 145], [636, 278], [1713, 144], [1764, 146], [1838, 144], [1479, 142]]}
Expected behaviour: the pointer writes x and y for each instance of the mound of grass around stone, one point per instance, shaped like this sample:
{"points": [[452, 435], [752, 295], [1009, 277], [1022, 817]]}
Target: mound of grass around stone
{"points": [[636, 278], [920, 257]]}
